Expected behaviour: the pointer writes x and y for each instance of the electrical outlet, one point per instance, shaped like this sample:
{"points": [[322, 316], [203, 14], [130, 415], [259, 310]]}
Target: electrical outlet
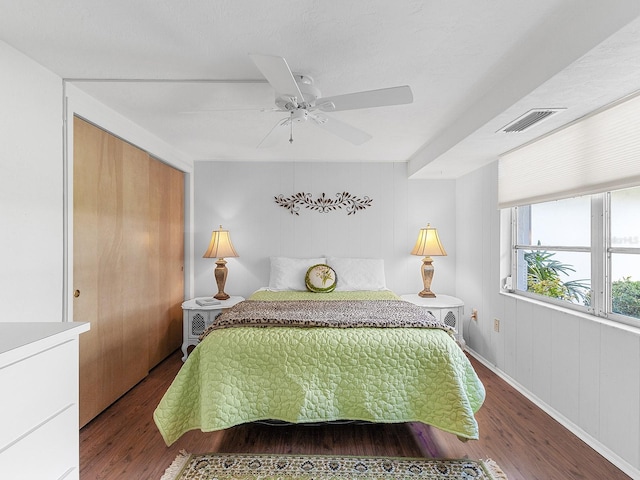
{"points": [[496, 325]]}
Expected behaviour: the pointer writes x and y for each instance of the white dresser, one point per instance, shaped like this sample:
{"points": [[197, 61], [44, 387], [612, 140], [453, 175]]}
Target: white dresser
{"points": [[39, 400]]}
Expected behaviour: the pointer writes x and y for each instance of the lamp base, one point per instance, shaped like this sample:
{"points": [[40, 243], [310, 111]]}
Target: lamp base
{"points": [[426, 270], [427, 294], [220, 274]]}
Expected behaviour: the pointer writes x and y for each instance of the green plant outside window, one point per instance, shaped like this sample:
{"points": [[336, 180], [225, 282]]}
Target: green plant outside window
{"points": [[588, 255]]}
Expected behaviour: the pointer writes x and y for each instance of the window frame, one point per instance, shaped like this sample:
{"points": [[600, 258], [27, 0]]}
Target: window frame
{"points": [[600, 251]]}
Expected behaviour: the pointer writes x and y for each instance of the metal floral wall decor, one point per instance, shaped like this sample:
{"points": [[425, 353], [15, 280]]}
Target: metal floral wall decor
{"points": [[323, 204]]}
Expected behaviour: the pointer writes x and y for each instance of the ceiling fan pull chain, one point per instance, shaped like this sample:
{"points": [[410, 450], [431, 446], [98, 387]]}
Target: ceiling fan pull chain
{"points": [[291, 129]]}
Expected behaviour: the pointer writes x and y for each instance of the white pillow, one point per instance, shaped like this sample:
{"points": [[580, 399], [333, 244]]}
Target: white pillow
{"points": [[358, 273], [288, 273]]}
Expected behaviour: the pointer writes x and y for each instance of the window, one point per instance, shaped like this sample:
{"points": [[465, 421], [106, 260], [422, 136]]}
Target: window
{"points": [[582, 252], [574, 196], [624, 252]]}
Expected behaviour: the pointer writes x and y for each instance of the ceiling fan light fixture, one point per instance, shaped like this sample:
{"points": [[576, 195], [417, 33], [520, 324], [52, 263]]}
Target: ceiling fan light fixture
{"points": [[300, 115]]}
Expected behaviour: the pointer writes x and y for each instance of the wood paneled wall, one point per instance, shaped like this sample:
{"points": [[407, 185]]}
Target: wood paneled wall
{"points": [[128, 263], [240, 196], [584, 370]]}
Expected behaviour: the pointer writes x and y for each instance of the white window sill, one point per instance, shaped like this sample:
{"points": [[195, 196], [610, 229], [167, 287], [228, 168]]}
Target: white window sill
{"points": [[586, 316]]}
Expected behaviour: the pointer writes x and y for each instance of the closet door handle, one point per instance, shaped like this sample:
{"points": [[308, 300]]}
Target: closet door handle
{"points": [[76, 293]]}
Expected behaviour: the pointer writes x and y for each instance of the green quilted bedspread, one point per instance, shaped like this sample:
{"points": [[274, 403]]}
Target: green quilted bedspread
{"points": [[294, 374]]}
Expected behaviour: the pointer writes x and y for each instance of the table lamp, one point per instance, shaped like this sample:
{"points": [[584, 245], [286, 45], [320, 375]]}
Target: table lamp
{"points": [[220, 247], [428, 244]]}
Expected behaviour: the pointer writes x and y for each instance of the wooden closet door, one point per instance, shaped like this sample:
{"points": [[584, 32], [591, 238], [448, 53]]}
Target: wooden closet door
{"points": [[166, 213], [111, 225]]}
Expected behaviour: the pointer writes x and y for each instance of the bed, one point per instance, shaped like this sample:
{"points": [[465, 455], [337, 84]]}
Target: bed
{"points": [[305, 357]]}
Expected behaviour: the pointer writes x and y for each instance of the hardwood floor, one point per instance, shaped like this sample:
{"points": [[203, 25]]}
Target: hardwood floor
{"points": [[123, 442]]}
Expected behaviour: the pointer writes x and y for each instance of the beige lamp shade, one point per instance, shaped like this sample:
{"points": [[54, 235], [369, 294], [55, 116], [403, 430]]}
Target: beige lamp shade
{"points": [[220, 247], [428, 244]]}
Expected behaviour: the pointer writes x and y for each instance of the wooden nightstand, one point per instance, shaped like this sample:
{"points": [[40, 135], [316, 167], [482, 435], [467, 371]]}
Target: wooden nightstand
{"points": [[445, 308], [196, 318]]}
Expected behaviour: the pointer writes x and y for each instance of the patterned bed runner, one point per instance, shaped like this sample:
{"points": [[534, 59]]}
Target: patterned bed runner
{"points": [[331, 313]]}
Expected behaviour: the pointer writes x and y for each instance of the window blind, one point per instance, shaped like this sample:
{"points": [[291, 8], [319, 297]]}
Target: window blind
{"points": [[598, 153]]}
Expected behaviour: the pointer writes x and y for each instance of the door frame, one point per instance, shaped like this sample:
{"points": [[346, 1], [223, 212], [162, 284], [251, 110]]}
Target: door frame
{"points": [[77, 103]]}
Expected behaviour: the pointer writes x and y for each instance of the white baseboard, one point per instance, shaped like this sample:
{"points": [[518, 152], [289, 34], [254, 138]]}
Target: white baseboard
{"points": [[603, 450]]}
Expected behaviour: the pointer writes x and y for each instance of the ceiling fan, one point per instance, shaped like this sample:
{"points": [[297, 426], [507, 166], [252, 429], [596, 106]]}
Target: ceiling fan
{"points": [[297, 96]]}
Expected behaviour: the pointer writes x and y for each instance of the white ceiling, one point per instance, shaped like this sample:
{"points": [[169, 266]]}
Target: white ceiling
{"points": [[473, 66]]}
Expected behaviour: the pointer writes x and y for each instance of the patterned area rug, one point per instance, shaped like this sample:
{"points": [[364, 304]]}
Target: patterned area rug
{"points": [[219, 466]]}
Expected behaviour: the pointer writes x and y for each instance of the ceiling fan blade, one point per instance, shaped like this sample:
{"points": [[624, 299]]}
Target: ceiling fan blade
{"points": [[341, 129], [230, 109], [367, 99], [278, 74], [270, 138]]}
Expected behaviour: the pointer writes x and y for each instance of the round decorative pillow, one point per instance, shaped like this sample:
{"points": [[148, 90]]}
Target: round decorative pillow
{"points": [[321, 278]]}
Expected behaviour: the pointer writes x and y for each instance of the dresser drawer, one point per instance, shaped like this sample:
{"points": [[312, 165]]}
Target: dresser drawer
{"points": [[36, 389], [50, 452]]}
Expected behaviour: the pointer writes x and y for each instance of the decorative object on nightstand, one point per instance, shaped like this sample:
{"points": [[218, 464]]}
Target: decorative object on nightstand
{"points": [[207, 302], [428, 244], [196, 317], [446, 308], [220, 247]]}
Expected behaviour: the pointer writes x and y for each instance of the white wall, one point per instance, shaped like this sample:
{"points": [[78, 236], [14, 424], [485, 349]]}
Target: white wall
{"points": [[33, 235], [240, 196], [583, 371], [31, 190]]}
